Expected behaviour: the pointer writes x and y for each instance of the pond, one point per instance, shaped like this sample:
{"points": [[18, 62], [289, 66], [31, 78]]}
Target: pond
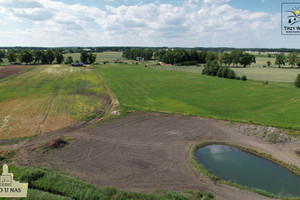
{"points": [[246, 169]]}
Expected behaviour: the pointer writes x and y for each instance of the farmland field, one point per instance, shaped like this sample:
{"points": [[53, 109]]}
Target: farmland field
{"points": [[254, 73], [48, 98], [100, 56], [144, 89]]}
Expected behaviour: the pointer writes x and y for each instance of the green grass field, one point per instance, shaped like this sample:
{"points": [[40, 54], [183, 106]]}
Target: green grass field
{"points": [[254, 73], [104, 56], [147, 89], [47, 98]]}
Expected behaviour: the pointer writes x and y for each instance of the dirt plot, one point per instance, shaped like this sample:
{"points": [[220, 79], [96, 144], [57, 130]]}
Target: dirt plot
{"points": [[147, 152], [13, 69]]}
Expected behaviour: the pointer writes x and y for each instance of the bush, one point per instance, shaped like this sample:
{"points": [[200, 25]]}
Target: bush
{"points": [[297, 81], [244, 78], [31, 175], [207, 196], [56, 143], [231, 74], [267, 82]]}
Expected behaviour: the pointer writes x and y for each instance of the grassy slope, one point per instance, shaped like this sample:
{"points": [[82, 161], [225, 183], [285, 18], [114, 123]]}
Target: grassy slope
{"points": [[61, 95], [186, 93]]}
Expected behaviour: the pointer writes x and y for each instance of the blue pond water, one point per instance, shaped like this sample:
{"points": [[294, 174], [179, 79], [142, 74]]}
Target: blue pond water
{"points": [[246, 169]]}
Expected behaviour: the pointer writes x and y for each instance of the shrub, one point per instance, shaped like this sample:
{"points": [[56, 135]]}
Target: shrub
{"points": [[244, 78], [207, 196], [220, 72], [56, 143], [225, 72], [297, 81], [267, 82], [31, 175], [231, 74]]}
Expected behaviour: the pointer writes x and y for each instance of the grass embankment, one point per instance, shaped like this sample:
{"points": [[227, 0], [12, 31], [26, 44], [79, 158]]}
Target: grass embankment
{"points": [[201, 170], [144, 89], [46, 184], [48, 98]]}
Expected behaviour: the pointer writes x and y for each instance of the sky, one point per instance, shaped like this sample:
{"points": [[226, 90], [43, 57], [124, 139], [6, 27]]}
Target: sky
{"points": [[153, 23]]}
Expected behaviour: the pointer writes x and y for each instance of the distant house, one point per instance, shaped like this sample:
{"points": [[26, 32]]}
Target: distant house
{"points": [[140, 59], [87, 49], [77, 64]]}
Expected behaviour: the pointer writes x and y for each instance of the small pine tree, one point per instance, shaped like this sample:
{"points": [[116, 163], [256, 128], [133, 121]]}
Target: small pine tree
{"points": [[297, 82]]}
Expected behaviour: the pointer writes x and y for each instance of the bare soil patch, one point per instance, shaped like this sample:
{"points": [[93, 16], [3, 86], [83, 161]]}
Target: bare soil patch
{"points": [[147, 152], [12, 70]]}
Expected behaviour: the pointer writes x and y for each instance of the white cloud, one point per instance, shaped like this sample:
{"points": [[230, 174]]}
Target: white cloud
{"points": [[215, 1], [55, 23]]}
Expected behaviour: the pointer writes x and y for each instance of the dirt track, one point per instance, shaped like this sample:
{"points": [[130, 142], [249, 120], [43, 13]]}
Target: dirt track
{"points": [[147, 152], [13, 69]]}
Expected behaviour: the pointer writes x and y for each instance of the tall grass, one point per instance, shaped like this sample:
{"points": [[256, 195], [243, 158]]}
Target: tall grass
{"points": [[59, 186]]}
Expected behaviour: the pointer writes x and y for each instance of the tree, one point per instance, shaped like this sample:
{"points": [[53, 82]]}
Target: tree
{"points": [[227, 59], [280, 60], [236, 56], [221, 59], [37, 56], [269, 63], [59, 57], [2, 55], [297, 81], [211, 56], [69, 60], [247, 59], [292, 58], [25, 56], [91, 58], [84, 56], [11, 56], [49, 56]]}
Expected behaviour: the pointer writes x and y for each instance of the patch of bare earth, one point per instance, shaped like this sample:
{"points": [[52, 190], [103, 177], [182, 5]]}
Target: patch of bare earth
{"points": [[12, 70], [146, 152]]}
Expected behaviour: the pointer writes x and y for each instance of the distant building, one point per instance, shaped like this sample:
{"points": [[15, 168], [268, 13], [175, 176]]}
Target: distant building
{"points": [[77, 64], [140, 59], [87, 49]]}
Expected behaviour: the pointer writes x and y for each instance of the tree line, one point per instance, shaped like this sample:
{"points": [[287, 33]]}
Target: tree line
{"points": [[192, 57], [44, 57], [292, 58], [29, 56], [132, 54]]}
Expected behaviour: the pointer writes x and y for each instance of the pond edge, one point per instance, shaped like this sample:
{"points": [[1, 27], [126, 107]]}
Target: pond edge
{"points": [[202, 171]]}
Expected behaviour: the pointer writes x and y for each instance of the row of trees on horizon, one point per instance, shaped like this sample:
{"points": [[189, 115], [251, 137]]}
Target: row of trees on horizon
{"points": [[235, 58], [44, 57]]}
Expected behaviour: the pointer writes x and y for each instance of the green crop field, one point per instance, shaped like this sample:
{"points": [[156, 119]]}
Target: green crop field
{"points": [[269, 74], [110, 55], [141, 88], [48, 98]]}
